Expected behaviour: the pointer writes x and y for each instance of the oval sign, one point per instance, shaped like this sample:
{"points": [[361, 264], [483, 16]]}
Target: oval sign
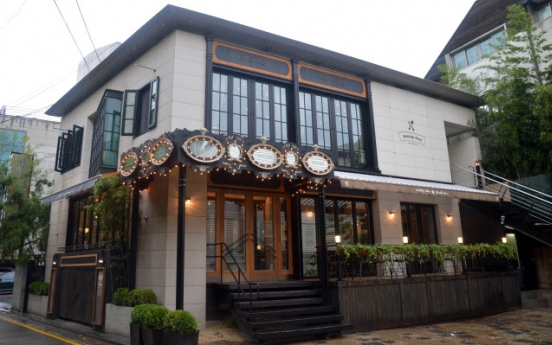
{"points": [[161, 151], [317, 163], [129, 164], [203, 149], [265, 156]]}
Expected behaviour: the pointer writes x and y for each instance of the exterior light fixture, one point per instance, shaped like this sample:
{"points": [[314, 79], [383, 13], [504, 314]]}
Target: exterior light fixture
{"points": [[502, 218], [460, 240], [309, 214], [54, 263], [504, 240], [405, 239], [337, 239], [449, 217], [86, 230], [188, 201], [101, 261], [391, 215]]}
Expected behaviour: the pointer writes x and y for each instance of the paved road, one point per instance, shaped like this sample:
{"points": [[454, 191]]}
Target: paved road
{"points": [[18, 333]]}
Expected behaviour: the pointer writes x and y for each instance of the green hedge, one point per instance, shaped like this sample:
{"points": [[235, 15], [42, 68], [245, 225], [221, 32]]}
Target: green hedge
{"points": [[180, 321], [39, 288], [122, 297]]}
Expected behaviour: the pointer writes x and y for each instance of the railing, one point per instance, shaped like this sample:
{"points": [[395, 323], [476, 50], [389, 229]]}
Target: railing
{"points": [[536, 203]]}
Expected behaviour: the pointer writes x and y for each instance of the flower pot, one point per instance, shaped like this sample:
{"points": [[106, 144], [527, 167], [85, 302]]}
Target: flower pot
{"points": [[152, 336], [136, 335], [172, 338]]}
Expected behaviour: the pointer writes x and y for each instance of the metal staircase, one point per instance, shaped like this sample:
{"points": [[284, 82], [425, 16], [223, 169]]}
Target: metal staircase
{"points": [[528, 210]]}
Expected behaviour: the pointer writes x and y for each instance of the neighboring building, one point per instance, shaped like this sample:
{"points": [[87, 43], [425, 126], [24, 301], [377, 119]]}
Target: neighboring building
{"points": [[229, 134], [468, 50]]}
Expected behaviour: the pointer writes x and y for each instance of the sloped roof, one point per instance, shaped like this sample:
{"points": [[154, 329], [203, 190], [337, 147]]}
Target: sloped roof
{"points": [[483, 16], [173, 18]]}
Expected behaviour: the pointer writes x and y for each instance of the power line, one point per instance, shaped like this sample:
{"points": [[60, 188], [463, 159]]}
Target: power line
{"points": [[15, 15], [67, 25], [86, 26]]}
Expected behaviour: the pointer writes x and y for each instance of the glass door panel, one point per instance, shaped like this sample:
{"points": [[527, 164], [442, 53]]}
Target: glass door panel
{"points": [[263, 234], [211, 232], [285, 242], [308, 238], [235, 235]]}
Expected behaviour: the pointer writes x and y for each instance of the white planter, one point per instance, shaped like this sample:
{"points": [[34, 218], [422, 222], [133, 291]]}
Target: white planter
{"points": [[117, 319], [37, 305]]}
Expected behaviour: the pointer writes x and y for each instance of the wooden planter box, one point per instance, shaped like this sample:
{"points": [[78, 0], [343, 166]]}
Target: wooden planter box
{"points": [[152, 336], [180, 339]]}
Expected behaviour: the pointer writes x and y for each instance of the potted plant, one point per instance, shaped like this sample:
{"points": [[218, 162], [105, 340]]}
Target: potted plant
{"points": [[180, 328], [137, 321], [152, 327]]}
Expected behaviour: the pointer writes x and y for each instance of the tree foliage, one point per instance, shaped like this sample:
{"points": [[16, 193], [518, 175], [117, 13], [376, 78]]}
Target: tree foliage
{"points": [[515, 126], [25, 222], [111, 203]]}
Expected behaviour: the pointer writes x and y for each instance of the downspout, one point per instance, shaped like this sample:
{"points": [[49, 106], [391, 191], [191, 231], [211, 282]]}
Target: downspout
{"points": [[181, 238]]}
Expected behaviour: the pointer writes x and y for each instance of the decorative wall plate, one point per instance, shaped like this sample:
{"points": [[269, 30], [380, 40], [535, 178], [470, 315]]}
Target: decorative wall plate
{"points": [[203, 149], [265, 156], [161, 151], [129, 162], [317, 163], [234, 152]]}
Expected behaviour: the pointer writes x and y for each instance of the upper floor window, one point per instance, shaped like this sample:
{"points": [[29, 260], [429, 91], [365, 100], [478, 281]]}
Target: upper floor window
{"points": [[544, 12], [68, 152], [249, 108], [479, 50], [334, 125], [105, 140], [140, 109]]}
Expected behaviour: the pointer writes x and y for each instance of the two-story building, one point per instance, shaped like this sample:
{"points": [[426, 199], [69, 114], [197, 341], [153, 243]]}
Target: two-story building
{"points": [[241, 140]]}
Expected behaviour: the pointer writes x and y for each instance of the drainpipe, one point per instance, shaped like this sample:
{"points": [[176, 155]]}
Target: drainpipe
{"points": [[181, 240]]}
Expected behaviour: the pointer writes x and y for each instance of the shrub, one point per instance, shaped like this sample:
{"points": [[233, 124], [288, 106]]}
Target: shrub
{"points": [[39, 288], [120, 297], [139, 296], [180, 321], [138, 314], [154, 317]]}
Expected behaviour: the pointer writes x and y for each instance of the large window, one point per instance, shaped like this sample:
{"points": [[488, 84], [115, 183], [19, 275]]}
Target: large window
{"points": [[249, 108], [69, 148], [479, 50], [544, 12], [140, 110], [105, 141], [334, 125]]}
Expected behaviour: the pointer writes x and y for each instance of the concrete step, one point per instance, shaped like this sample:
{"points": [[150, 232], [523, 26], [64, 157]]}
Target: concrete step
{"points": [[534, 303]]}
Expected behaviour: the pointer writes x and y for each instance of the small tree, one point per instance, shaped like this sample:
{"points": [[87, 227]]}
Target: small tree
{"points": [[24, 224], [111, 202]]}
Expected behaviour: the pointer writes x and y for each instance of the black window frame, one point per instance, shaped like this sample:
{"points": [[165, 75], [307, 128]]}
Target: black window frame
{"points": [[69, 150], [252, 114], [98, 164], [355, 219], [333, 148], [140, 109], [407, 231]]}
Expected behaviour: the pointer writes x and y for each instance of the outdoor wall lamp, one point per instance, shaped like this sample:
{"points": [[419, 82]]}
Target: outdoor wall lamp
{"points": [[101, 261], [391, 215], [188, 201], [504, 240], [460, 240], [449, 217], [405, 239], [54, 263], [338, 239], [146, 218], [502, 218]]}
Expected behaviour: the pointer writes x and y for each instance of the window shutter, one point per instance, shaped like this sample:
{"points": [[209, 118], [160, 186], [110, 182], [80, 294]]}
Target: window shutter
{"points": [[129, 112], [154, 95]]}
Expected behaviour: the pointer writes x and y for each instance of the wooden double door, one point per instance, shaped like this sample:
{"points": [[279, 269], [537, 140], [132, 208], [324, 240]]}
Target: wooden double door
{"points": [[256, 231]]}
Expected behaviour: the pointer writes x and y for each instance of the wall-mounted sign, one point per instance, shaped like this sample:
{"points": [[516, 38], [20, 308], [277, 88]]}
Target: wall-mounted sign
{"points": [[265, 156], [317, 163], [251, 60], [331, 80], [412, 138], [145, 158], [203, 148], [129, 162], [161, 151]]}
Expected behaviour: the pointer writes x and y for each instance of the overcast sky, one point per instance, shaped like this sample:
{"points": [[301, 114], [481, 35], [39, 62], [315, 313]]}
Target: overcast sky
{"points": [[40, 55]]}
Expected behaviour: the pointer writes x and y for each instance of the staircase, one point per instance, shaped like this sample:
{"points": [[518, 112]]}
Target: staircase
{"points": [[277, 312], [536, 299]]}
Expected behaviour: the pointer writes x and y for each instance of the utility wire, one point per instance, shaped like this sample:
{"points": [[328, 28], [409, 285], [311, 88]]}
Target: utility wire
{"points": [[67, 25], [86, 26], [15, 15]]}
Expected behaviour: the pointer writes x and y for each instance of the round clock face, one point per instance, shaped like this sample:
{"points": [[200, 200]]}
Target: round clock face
{"points": [[203, 149], [161, 151], [234, 151]]}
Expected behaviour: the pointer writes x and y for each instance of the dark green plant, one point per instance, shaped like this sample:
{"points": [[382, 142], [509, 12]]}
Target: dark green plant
{"points": [[39, 288], [140, 296], [180, 321], [155, 316], [138, 314], [120, 297]]}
